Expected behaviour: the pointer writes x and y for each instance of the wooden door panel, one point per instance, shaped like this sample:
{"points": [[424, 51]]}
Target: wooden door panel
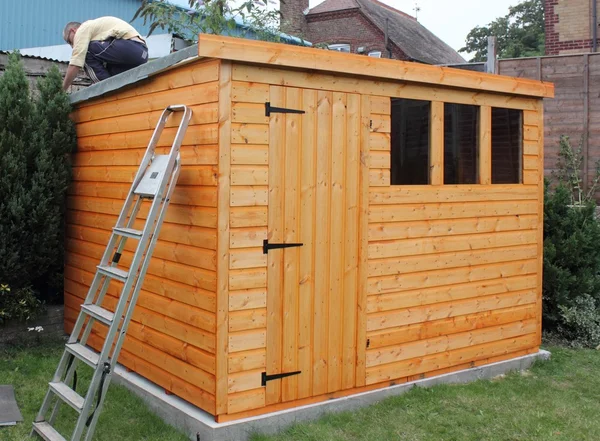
{"points": [[313, 199]]}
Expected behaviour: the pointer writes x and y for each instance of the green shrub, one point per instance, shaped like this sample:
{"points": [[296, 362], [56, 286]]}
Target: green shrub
{"points": [[36, 137], [571, 285], [580, 323], [20, 304]]}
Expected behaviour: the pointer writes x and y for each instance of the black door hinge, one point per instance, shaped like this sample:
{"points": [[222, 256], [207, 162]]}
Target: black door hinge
{"points": [[266, 377], [275, 246], [368, 342], [269, 110]]}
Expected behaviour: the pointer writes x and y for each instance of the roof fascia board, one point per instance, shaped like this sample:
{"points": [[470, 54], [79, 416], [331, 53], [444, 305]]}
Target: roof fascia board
{"points": [[251, 51]]}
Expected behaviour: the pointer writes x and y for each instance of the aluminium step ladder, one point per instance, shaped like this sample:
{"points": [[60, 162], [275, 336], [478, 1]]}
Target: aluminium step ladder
{"points": [[154, 182]]}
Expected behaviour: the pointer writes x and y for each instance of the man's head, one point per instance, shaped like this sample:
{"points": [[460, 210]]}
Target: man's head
{"points": [[70, 30]]}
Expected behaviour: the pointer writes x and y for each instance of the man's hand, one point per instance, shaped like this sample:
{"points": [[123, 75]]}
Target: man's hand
{"points": [[72, 73]]}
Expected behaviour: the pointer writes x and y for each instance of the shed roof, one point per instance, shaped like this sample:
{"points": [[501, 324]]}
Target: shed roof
{"points": [[310, 59], [405, 31]]}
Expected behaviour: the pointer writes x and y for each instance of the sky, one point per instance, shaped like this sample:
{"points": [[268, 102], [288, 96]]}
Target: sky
{"points": [[450, 20]]}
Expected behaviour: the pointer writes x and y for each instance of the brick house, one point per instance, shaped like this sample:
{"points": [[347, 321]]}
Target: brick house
{"points": [[359, 26], [570, 26]]}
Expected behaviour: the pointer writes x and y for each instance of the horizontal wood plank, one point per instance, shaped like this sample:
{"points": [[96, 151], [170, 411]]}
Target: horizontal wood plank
{"points": [[447, 343], [426, 279], [460, 259], [426, 313], [415, 212], [449, 326], [247, 360], [247, 299], [247, 319], [439, 361], [451, 193], [247, 237], [450, 227], [240, 217], [430, 245], [352, 84], [250, 154]]}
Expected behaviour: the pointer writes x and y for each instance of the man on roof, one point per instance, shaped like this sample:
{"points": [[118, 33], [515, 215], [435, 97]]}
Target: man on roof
{"points": [[104, 47]]}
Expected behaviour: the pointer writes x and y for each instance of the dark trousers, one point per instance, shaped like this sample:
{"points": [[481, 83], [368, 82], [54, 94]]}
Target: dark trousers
{"points": [[113, 56]]}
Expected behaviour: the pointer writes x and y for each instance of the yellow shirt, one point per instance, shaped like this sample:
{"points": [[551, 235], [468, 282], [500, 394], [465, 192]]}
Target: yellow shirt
{"points": [[99, 29]]}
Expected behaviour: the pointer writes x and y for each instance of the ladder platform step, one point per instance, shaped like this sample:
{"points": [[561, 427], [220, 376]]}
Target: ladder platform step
{"points": [[87, 355], [99, 313], [68, 395], [128, 232], [47, 432], [113, 272]]}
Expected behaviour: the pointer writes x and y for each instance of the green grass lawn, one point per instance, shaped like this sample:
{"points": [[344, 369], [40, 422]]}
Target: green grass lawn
{"points": [[124, 416], [557, 400]]}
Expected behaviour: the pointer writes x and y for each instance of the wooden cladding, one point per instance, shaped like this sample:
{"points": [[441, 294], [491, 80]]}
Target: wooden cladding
{"points": [[391, 282], [172, 337]]}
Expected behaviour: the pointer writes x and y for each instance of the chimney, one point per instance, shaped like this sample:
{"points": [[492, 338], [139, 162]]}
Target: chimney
{"points": [[293, 21]]}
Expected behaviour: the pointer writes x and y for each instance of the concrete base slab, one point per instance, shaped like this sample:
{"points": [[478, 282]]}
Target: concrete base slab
{"points": [[199, 425]]}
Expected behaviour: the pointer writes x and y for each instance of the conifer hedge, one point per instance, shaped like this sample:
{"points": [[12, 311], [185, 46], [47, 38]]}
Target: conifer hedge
{"points": [[36, 139]]}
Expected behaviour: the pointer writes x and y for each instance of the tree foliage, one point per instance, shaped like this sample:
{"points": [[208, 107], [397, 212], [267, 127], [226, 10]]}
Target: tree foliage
{"points": [[520, 33], [36, 137], [212, 17]]}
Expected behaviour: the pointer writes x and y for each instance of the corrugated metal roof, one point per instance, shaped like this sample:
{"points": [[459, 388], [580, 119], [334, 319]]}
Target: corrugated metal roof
{"points": [[34, 23], [54, 60]]}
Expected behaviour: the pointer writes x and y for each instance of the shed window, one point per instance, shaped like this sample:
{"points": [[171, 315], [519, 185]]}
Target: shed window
{"points": [[461, 129], [507, 146], [410, 142]]}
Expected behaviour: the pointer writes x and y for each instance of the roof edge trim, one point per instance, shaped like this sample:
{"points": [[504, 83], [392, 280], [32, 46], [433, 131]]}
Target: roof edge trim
{"points": [[139, 73]]}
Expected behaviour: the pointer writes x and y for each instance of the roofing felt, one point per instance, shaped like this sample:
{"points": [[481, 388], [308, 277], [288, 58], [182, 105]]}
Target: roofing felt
{"points": [[414, 39]]}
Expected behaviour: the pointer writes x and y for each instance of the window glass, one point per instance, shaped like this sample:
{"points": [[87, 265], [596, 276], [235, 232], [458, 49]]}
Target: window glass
{"points": [[461, 129], [507, 146], [410, 142], [375, 54]]}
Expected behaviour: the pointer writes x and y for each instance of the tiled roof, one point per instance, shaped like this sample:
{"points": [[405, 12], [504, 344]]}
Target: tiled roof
{"points": [[414, 39], [334, 5]]}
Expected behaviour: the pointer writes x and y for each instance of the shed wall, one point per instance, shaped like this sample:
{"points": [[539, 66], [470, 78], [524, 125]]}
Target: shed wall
{"points": [[454, 272], [172, 337]]}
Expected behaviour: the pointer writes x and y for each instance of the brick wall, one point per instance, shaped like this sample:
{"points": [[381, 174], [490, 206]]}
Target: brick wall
{"points": [[350, 27], [569, 26], [292, 17]]}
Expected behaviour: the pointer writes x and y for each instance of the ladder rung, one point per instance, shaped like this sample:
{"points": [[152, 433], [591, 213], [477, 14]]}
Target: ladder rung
{"points": [[113, 272], [88, 356], [99, 313], [128, 232], [46, 431], [68, 395]]}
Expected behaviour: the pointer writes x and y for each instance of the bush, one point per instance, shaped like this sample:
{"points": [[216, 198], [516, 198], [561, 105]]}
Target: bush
{"points": [[21, 304], [580, 324], [36, 137], [571, 288]]}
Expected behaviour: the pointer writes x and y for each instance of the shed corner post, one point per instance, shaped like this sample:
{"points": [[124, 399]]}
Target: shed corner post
{"points": [[223, 233], [540, 226]]}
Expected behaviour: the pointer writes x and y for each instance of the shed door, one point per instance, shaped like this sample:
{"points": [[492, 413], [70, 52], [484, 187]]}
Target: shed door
{"points": [[313, 200]]}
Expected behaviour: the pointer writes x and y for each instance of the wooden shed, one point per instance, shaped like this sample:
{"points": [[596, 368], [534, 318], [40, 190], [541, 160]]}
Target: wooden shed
{"points": [[410, 198]]}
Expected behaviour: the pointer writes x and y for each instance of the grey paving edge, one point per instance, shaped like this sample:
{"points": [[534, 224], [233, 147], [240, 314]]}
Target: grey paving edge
{"points": [[195, 422], [136, 74]]}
